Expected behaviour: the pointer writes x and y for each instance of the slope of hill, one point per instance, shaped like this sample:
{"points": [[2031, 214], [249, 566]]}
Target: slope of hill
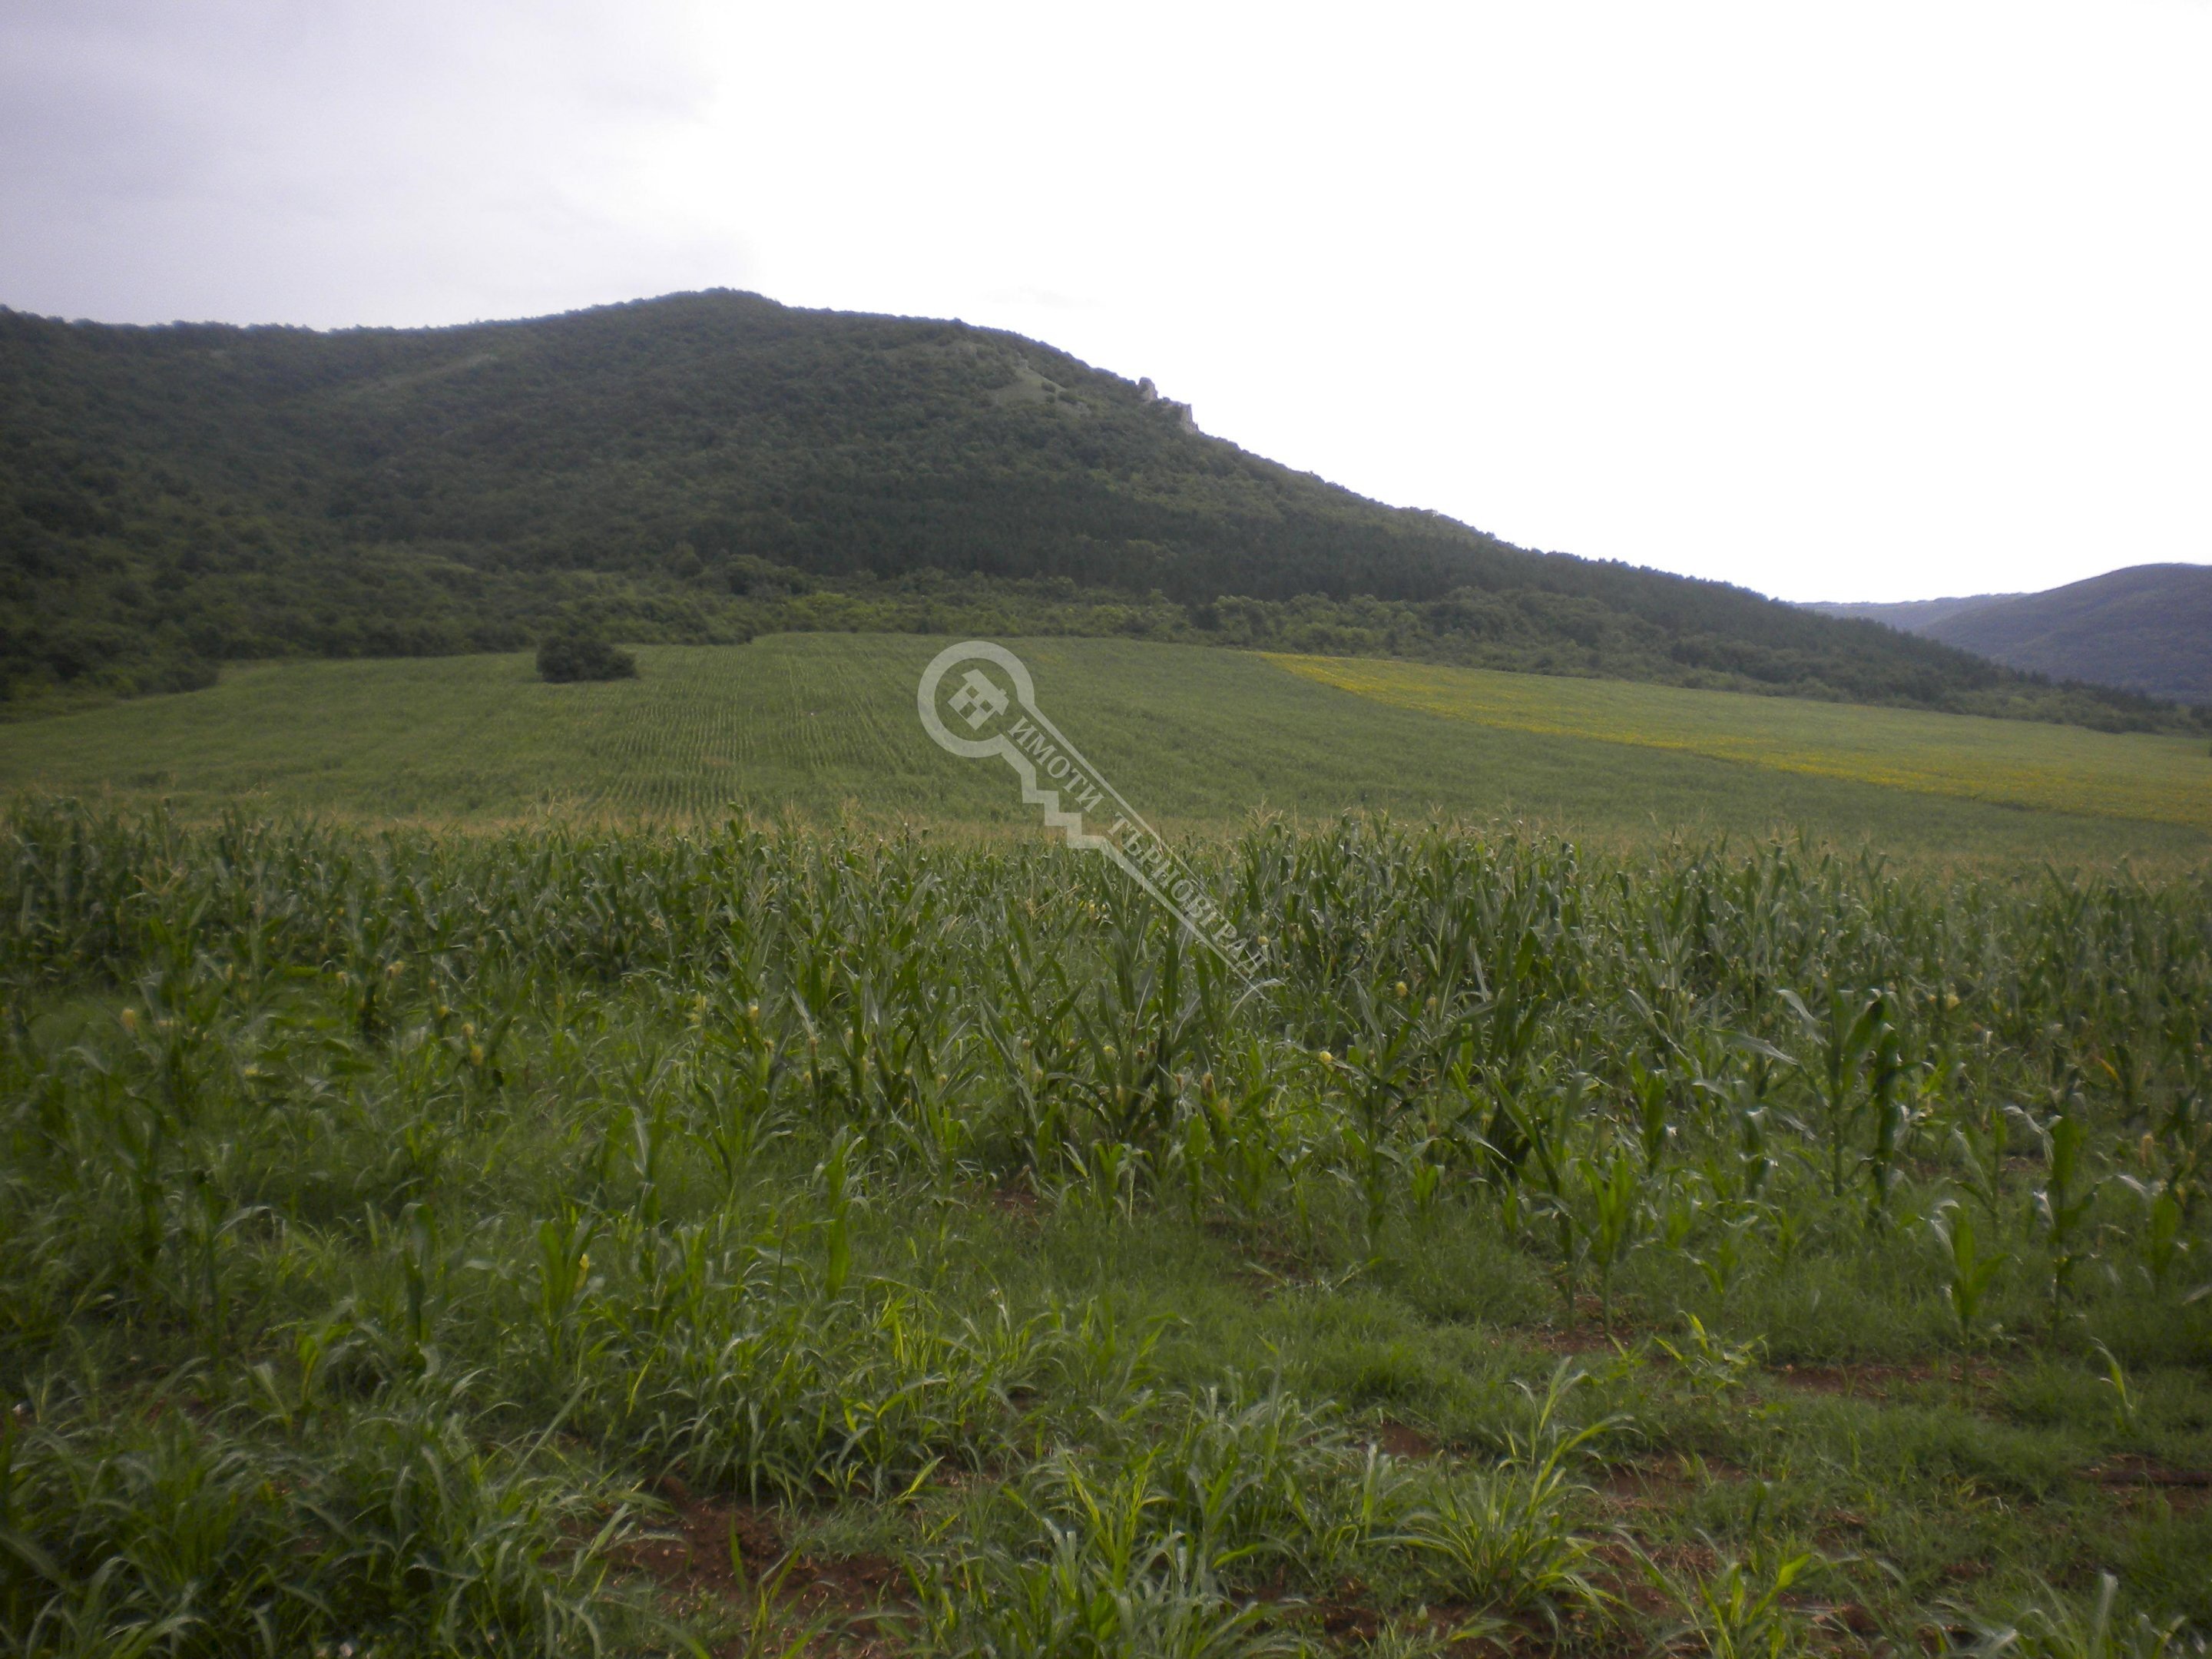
{"points": [[1913, 616], [706, 466], [2147, 628], [1197, 739]]}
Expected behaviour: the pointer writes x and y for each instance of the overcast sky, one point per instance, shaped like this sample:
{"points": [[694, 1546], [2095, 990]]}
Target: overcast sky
{"points": [[1871, 300]]}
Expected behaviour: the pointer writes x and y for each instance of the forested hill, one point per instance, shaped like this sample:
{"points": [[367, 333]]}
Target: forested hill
{"points": [[708, 466], [2147, 628]]}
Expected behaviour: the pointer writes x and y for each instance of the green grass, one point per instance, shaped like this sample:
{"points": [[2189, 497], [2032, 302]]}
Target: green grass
{"points": [[2061, 768], [1194, 737]]}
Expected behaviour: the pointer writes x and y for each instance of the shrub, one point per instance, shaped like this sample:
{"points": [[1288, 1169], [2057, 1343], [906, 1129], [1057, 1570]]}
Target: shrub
{"points": [[579, 655]]}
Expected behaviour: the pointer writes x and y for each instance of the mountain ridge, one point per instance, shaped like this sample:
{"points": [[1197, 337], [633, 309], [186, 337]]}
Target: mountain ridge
{"points": [[2144, 628], [1914, 615], [706, 466]]}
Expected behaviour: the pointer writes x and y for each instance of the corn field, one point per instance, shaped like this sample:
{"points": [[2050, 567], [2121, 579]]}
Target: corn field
{"points": [[402, 1232]]}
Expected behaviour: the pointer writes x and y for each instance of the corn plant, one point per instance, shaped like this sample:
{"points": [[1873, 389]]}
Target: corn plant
{"points": [[2064, 1199], [1614, 1216], [765, 1626], [1714, 1367], [174, 1538], [2161, 1240], [1738, 1612], [1104, 1572], [1504, 1541], [2051, 1626], [1971, 1270], [2127, 1408], [362, 1149], [564, 1281], [1857, 1069]]}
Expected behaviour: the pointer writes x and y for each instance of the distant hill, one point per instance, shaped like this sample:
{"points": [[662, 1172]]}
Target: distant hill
{"points": [[2147, 628], [707, 466], [1913, 616]]}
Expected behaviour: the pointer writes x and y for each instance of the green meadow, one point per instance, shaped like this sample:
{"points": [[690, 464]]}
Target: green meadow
{"points": [[824, 726], [2166, 777]]}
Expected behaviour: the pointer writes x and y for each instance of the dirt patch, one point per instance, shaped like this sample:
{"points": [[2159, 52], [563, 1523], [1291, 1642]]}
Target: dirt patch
{"points": [[1661, 1482], [2132, 1471], [1402, 1440], [1630, 1491], [1625, 1570], [1020, 1203], [2139, 1479], [690, 1555], [1848, 1616], [1587, 1339], [844, 1586], [1346, 1617], [1687, 1560], [1878, 1381], [690, 1552]]}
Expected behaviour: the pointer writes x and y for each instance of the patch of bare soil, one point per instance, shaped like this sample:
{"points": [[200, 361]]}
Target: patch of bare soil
{"points": [[1848, 1616], [1684, 1560], [845, 1586], [711, 1550], [1878, 1381], [1627, 1572], [2129, 1470], [1588, 1338], [1661, 1482], [1350, 1621], [2136, 1475], [1401, 1440], [1344, 1617], [690, 1553], [1020, 1203]]}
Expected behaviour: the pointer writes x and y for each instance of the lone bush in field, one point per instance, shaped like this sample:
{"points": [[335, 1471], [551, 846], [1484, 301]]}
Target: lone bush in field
{"points": [[580, 654]]}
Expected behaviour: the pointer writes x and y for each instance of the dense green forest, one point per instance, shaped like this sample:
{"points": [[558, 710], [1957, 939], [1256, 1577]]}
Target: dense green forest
{"points": [[709, 467]]}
